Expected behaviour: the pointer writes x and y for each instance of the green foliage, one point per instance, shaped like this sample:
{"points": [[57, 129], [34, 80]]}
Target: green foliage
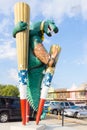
{"points": [[9, 90]]}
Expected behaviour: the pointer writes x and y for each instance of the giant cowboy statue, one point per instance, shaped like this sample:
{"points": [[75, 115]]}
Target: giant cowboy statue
{"points": [[35, 65]]}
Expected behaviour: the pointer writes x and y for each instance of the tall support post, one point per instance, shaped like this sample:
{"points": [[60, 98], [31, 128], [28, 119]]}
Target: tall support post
{"points": [[22, 13]]}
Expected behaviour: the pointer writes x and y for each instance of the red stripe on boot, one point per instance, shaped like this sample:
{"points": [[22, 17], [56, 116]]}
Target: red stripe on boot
{"points": [[40, 109], [27, 111], [23, 111]]}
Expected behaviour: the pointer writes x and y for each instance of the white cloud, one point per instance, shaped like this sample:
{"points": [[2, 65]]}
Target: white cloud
{"points": [[7, 6], [84, 9], [6, 50], [59, 9], [56, 9]]}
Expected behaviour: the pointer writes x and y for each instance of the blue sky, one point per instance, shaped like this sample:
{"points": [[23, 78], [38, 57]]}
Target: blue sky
{"points": [[71, 19]]}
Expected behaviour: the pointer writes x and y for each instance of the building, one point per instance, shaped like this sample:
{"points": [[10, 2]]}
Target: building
{"points": [[76, 94]]}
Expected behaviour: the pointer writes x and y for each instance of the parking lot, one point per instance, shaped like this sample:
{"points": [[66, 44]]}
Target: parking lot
{"points": [[50, 121]]}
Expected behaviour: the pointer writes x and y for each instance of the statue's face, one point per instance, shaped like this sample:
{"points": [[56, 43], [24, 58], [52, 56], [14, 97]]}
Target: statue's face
{"points": [[50, 28]]}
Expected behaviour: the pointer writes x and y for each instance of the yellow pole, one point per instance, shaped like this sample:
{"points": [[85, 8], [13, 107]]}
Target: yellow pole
{"points": [[22, 13]]}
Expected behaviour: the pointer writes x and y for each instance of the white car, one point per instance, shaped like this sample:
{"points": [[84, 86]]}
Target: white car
{"points": [[55, 107], [76, 112], [50, 105]]}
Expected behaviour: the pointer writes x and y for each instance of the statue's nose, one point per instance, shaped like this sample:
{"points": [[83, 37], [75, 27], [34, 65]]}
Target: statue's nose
{"points": [[56, 30]]}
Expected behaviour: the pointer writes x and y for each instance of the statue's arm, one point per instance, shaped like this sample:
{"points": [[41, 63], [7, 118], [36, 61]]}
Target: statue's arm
{"points": [[20, 26], [41, 53]]}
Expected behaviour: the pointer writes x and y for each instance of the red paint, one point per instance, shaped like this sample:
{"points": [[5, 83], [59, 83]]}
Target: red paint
{"points": [[27, 111], [23, 111], [40, 109]]}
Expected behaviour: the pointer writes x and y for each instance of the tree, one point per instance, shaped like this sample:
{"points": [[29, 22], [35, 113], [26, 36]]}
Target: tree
{"points": [[9, 90]]}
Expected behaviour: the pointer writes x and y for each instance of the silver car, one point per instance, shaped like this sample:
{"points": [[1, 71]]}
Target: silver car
{"points": [[57, 107], [75, 111]]}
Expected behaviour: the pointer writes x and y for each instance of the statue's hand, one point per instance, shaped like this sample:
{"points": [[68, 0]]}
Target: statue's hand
{"points": [[20, 26]]}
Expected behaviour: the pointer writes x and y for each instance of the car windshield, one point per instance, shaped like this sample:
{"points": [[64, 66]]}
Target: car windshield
{"points": [[56, 103], [47, 102], [75, 107], [71, 104]]}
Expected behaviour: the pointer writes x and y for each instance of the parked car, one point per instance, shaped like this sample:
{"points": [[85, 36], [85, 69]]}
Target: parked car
{"points": [[83, 107], [67, 104], [58, 107], [10, 109], [55, 109], [50, 105], [76, 112], [46, 106]]}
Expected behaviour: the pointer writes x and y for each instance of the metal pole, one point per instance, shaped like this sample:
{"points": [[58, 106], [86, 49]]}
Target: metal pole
{"points": [[62, 117]]}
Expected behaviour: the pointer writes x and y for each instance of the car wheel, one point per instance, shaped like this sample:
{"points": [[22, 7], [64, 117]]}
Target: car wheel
{"points": [[55, 112], [75, 114], [78, 115], [3, 117]]}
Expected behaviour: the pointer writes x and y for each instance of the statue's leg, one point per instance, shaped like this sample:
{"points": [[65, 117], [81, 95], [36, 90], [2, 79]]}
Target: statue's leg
{"points": [[46, 84], [45, 87]]}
